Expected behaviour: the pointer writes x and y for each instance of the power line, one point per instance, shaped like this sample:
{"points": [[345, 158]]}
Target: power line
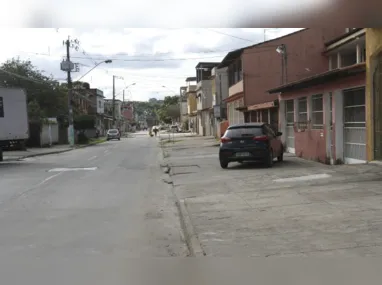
{"points": [[232, 36], [166, 59]]}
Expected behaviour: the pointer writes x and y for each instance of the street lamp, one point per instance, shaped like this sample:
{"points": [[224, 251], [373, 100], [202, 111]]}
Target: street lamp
{"points": [[113, 106], [169, 89], [70, 115], [179, 101], [123, 90], [282, 50], [99, 63]]}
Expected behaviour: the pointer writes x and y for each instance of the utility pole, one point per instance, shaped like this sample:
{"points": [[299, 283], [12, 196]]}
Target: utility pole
{"points": [[68, 66], [70, 107], [114, 77], [113, 106]]}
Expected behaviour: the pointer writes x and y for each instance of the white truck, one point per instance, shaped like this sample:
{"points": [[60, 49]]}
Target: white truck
{"points": [[14, 125]]}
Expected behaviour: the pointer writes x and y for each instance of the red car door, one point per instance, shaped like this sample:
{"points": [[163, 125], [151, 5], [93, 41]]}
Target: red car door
{"points": [[275, 141]]}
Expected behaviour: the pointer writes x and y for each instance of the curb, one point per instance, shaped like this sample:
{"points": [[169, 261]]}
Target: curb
{"points": [[50, 152], [189, 233], [193, 244], [39, 154]]}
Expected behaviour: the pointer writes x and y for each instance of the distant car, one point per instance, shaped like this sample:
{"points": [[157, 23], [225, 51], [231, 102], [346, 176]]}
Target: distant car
{"points": [[113, 134], [250, 142]]}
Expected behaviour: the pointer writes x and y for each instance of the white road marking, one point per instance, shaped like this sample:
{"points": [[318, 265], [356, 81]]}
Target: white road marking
{"points": [[93, 157], [303, 178], [47, 179], [72, 169]]}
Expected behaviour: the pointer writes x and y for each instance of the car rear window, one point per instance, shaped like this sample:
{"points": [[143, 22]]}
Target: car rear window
{"points": [[113, 131], [244, 132]]}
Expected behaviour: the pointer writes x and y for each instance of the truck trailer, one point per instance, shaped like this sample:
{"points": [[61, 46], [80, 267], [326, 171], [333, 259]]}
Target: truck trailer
{"points": [[14, 125]]}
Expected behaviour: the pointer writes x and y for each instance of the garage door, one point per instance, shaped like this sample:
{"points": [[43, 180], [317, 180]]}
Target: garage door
{"points": [[377, 85], [289, 111], [354, 126]]}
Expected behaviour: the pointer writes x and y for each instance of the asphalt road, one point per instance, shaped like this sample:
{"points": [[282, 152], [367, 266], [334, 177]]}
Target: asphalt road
{"points": [[97, 205]]}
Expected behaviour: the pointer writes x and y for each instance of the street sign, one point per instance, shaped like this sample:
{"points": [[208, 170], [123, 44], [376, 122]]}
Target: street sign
{"points": [[68, 65]]}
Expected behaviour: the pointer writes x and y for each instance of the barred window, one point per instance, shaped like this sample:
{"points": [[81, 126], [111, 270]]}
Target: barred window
{"points": [[289, 107], [317, 112], [302, 109]]}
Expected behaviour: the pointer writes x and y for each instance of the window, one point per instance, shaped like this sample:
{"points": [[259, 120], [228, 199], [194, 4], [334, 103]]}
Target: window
{"points": [[302, 110], [289, 109], [235, 73], [331, 109], [317, 112], [354, 107], [264, 116], [244, 131], [1, 107]]}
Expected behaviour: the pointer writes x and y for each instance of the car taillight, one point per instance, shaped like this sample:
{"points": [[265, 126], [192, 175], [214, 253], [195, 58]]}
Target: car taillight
{"points": [[225, 140], [260, 138]]}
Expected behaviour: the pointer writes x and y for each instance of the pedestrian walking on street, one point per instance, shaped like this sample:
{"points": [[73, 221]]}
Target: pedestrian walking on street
{"points": [[155, 131]]}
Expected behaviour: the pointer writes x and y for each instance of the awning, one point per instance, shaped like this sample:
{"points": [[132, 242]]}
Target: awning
{"points": [[321, 78], [242, 108], [266, 105]]}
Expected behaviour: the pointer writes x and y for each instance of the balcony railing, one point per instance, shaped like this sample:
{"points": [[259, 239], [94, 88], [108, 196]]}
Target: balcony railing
{"points": [[236, 88]]}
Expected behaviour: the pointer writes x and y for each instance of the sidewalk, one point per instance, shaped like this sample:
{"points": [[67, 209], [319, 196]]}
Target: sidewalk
{"points": [[31, 152], [298, 207]]}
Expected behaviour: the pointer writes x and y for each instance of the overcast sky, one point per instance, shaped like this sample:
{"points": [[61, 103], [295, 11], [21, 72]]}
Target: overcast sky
{"points": [[151, 58]]}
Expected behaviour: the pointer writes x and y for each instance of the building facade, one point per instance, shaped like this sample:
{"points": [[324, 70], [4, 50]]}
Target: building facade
{"points": [[219, 94], [323, 117], [374, 93], [190, 94], [205, 117], [108, 107], [255, 69]]}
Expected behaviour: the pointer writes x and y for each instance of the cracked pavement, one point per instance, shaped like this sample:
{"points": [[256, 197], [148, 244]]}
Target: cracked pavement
{"points": [[251, 211]]}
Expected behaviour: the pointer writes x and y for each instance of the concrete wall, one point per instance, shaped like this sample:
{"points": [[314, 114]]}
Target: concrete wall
{"points": [[373, 49], [205, 91], [191, 102], [221, 85], [49, 134], [100, 105], [235, 116]]}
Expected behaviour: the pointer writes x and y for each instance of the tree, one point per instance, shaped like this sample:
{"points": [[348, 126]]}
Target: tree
{"points": [[169, 110], [171, 100], [43, 92]]}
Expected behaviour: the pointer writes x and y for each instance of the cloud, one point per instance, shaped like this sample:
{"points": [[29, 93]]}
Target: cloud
{"points": [[151, 58]]}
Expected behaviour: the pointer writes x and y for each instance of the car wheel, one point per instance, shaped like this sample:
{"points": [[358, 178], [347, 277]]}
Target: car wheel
{"points": [[119, 139], [269, 159], [280, 158], [223, 164]]}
